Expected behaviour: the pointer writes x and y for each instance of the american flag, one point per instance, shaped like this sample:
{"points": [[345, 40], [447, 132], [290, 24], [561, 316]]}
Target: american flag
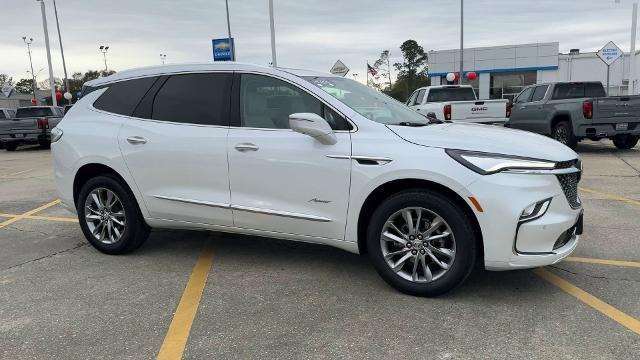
{"points": [[371, 70]]}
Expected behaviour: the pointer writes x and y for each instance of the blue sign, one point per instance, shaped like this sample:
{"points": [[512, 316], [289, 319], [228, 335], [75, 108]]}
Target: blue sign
{"points": [[222, 49]]}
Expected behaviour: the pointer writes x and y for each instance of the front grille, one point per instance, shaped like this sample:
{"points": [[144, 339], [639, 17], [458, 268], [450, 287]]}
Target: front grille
{"points": [[569, 184], [566, 164]]}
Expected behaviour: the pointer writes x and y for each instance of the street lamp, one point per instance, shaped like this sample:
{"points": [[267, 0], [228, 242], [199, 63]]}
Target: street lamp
{"points": [[355, 76], [34, 78], [64, 64], [24, 38], [233, 47], [163, 57], [104, 50]]}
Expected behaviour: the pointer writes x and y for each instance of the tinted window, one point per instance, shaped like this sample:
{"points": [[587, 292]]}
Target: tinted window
{"points": [[2, 115], [538, 93], [86, 90], [123, 97], [568, 91], [34, 112], [194, 99], [266, 102], [420, 97], [524, 95], [594, 90], [451, 94]]}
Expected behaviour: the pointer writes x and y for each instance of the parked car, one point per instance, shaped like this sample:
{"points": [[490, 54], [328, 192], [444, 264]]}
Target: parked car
{"points": [[306, 156], [5, 115], [31, 125], [458, 103], [572, 111]]}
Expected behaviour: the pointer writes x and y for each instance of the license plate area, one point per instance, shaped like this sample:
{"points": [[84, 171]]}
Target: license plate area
{"points": [[622, 126]]}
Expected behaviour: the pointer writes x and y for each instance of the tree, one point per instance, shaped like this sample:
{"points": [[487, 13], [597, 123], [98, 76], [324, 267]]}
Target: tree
{"points": [[413, 70], [382, 80], [24, 86], [5, 79]]}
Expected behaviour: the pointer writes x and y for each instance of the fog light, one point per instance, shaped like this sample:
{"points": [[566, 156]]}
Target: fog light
{"points": [[535, 210]]}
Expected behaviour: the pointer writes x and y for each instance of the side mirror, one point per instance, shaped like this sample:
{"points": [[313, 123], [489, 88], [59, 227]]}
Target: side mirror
{"points": [[313, 125]]}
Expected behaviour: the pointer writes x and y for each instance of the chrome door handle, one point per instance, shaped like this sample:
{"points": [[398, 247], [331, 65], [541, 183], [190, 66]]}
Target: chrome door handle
{"points": [[135, 140], [242, 147]]}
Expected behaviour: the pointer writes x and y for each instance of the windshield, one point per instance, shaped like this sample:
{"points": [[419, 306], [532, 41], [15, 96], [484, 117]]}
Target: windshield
{"points": [[367, 102]]}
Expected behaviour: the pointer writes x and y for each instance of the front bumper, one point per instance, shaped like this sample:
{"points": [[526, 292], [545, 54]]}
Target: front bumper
{"points": [[511, 244]]}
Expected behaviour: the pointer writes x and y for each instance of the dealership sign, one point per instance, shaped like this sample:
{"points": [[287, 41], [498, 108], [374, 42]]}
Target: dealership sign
{"points": [[610, 53], [339, 68], [222, 49]]}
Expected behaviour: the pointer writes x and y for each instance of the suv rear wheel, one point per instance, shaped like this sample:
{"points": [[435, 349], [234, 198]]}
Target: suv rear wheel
{"points": [[563, 133], [421, 243], [625, 141], [109, 216]]}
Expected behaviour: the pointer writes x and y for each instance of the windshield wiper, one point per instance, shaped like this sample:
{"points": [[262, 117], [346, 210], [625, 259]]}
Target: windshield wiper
{"points": [[411, 123]]}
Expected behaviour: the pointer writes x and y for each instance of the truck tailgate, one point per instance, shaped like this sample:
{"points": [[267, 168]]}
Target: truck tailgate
{"points": [[479, 111], [24, 124], [615, 109]]}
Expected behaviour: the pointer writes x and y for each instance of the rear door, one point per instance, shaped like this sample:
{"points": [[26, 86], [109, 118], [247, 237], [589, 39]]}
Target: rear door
{"points": [[175, 147]]}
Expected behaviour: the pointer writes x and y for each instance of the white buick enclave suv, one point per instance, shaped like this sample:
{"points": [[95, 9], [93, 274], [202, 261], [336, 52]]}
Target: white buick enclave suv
{"points": [[306, 156]]}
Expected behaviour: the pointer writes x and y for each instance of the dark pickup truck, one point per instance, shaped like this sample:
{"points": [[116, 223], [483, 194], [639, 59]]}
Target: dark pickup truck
{"points": [[31, 125], [573, 111]]}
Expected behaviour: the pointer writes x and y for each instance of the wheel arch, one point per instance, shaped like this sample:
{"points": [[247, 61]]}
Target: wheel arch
{"points": [[387, 189], [558, 117], [91, 170]]}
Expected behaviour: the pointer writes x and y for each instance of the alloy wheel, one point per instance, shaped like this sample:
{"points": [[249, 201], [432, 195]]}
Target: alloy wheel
{"points": [[561, 135], [418, 244], [105, 215]]}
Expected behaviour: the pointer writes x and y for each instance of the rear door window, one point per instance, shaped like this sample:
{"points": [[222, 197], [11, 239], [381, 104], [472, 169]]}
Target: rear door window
{"points": [[123, 97], [539, 92], [451, 94]]}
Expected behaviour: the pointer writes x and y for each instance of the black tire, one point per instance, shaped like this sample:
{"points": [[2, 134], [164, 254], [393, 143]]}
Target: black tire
{"points": [[563, 133], [625, 141], [455, 218], [44, 144], [11, 146], [136, 231]]}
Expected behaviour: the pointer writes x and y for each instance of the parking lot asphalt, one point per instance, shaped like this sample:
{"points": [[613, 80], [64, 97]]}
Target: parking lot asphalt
{"points": [[206, 295]]}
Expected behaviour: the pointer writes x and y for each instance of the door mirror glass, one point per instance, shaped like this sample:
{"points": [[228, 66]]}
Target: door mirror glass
{"points": [[313, 125]]}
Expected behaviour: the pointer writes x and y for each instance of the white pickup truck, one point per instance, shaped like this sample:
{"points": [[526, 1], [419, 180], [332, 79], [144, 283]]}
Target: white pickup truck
{"points": [[459, 103]]}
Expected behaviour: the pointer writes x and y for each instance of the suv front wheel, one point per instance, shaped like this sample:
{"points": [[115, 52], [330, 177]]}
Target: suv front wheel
{"points": [[421, 242], [109, 216]]}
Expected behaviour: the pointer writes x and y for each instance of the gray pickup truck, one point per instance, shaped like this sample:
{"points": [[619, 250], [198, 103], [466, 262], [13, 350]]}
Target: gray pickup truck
{"points": [[572, 111], [5, 115], [31, 125]]}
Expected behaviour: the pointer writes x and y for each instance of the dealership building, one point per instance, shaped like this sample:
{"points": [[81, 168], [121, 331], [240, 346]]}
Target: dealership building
{"points": [[504, 70]]}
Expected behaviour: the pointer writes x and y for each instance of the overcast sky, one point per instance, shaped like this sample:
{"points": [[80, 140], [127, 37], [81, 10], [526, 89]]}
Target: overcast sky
{"points": [[309, 34]]}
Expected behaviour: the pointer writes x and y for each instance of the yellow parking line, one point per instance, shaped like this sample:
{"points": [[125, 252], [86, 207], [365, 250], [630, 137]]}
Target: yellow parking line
{"points": [[616, 315], [604, 261], [44, 218], [176, 338], [28, 213], [611, 196]]}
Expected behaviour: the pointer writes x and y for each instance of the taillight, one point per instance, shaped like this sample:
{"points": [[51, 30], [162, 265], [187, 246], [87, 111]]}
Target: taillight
{"points": [[447, 112], [509, 106], [587, 109], [43, 123]]}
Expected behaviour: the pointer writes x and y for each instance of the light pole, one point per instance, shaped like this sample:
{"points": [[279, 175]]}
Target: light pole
{"points": [[52, 85], [104, 50], [273, 36], [33, 80], [67, 94], [233, 47], [163, 57], [461, 42]]}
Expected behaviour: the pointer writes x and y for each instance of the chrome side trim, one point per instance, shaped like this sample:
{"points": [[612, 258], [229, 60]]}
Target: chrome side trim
{"points": [[280, 213], [570, 170], [191, 201], [377, 159]]}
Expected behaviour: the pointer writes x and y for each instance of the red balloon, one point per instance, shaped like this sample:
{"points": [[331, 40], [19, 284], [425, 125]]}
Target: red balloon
{"points": [[59, 96], [34, 101], [457, 76], [471, 75]]}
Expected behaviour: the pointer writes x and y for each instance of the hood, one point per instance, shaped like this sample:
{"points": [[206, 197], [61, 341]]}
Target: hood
{"points": [[486, 138]]}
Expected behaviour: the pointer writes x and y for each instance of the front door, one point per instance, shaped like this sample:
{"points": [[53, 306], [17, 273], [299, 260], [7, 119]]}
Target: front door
{"points": [[175, 148], [283, 181]]}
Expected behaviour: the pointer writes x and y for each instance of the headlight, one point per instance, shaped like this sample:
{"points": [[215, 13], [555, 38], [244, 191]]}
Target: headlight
{"points": [[487, 163]]}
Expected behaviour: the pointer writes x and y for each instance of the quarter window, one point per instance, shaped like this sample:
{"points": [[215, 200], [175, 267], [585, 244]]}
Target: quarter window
{"points": [[123, 97], [267, 102], [194, 99]]}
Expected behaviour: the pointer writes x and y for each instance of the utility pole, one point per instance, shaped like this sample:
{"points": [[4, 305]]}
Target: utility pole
{"points": [[33, 78], [46, 42], [67, 94], [632, 55], [461, 74], [233, 46], [273, 35]]}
